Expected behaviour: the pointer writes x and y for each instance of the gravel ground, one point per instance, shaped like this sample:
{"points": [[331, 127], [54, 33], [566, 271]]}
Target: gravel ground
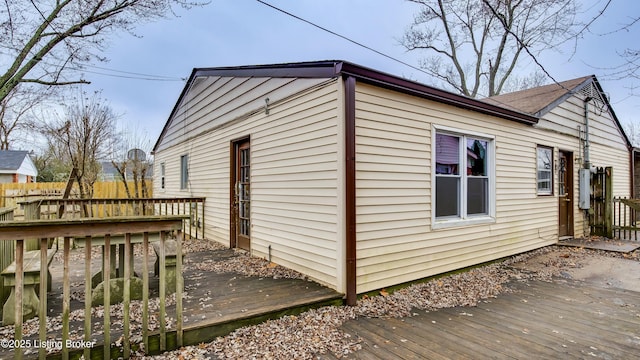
{"points": [[318, 331]]}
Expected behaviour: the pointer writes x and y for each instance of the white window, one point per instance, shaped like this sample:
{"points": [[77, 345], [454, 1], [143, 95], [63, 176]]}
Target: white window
{"points": [[464, 179], [545, 170], [184, 171], [162, 176]]}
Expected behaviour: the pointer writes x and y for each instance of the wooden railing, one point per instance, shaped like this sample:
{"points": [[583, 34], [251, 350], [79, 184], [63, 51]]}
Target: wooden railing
{"points": [[6, 213], [96, 232], [55, 208]]}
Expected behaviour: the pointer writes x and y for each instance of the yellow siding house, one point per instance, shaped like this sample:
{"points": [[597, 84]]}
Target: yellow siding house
{"points": [[363, 180]]}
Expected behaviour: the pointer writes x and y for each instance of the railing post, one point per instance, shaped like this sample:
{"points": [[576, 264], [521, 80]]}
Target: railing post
{"points": [[44, 282], [106, 277], [127, 294], [145, 291], [162, 291], [87, 295], [66, 298], [179, 287], [19, 258]]}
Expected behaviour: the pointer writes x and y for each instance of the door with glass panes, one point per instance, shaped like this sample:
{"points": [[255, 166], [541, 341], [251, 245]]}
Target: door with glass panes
{"points": [[241, 180], [565, 194]]}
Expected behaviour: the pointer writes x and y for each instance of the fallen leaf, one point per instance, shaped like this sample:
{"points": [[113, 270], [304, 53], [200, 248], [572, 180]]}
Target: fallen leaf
{"points": [[384, 292]]}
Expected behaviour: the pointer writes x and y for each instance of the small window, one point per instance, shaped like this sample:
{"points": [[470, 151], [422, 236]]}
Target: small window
{"points": [[184, 171], [162, 175], [545, 170]]}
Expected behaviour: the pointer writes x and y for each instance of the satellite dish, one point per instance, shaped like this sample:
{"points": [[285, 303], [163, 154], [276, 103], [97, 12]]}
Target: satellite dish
{"points": [[136, 155]]}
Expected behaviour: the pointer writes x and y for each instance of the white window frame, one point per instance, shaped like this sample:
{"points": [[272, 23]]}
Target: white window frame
{"points": [[550, 191], [464, 219], [184, 172], [162, 178]]}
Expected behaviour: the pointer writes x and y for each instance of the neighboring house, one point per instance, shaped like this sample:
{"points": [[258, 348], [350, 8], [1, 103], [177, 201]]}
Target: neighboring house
{"points": [[108, 172], [17, 167], [363, 180]]}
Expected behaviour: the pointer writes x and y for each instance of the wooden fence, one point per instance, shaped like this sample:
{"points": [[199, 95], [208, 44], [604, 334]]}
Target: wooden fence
{"points": [[13, 193], [626, 213], [96, 232]]}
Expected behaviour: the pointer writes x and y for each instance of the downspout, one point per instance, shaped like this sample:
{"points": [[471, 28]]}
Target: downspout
{"points": [[587, 162], [350, 191]]}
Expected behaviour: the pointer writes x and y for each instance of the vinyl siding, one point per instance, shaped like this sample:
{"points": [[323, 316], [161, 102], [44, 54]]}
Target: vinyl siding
{"points": [[294, 167], [297, 175], [395, 239], [214, 101]]}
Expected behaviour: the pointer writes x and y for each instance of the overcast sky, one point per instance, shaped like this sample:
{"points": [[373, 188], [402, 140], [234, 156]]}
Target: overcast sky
{"points": [[246, 32]]}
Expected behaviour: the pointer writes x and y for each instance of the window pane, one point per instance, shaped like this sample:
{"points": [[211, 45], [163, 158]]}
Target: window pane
{"points": [[447, 154], [477, 196], [545, 164], [544, 159], [476, 157], [184, 171], [447, 196], [544, 181]]}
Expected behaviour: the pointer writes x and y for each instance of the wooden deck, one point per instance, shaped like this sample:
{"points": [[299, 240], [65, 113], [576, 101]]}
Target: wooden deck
{"points": [[558, 320], [215, 303]]}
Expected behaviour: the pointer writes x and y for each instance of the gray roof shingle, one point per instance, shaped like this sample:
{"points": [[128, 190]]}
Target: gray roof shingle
{"points": [[12, 159]]}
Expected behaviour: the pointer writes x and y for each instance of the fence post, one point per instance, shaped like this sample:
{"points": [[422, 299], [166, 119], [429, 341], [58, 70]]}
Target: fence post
{"points": [[608, 202]]}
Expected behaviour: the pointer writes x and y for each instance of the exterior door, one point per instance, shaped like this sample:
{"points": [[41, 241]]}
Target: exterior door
{"points": [[241, 180], [565, 194]]}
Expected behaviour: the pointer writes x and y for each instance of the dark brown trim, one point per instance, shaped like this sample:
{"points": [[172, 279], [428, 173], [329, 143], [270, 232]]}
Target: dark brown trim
{"points": [[427, 92], [232, 180], [350, 185], [233, 149], [312, 69]]}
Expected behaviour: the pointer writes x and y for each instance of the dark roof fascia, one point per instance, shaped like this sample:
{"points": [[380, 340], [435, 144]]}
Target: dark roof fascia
{"points": [[184, 91], [393, 82], [318, 69]]}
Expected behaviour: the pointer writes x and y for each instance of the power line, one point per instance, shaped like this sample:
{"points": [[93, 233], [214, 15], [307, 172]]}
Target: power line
{"points": [[358, 43], [136, 75]]}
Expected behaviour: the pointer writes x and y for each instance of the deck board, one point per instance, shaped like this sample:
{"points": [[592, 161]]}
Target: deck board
{"points": [[563, 319]]}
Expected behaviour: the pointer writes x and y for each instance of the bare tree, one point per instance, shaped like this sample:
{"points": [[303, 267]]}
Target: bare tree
{"points": [[16, 113], [475, 46], [47, 41], [83, 134]]}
